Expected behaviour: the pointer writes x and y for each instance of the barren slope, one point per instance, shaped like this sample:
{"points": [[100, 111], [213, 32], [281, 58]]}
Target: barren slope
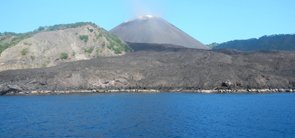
{"points": [[150, 29], [49, 48]]}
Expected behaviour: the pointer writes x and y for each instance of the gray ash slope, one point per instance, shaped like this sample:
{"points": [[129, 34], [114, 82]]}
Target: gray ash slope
{"points": [[151, 29], [166, 69]]}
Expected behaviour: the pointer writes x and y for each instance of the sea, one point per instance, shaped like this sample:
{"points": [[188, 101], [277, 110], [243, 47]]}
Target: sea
{"points": [[150, 115]]}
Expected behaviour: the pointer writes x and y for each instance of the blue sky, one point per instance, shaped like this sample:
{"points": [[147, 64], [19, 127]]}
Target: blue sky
{"points": [[206, 20]]}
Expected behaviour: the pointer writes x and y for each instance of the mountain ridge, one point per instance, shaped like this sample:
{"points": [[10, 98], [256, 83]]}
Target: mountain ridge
{"points": [[265, 43]]}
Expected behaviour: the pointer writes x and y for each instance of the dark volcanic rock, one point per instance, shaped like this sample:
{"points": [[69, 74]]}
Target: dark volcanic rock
{"points": [[166, 69], [227, 84], [155, 47], [4, 89]]}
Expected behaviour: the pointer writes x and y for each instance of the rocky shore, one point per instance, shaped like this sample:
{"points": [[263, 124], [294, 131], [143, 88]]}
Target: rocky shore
{"points": [[168, 70], [15, 91]]}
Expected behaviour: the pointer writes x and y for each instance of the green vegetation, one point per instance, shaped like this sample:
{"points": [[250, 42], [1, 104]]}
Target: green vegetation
{"points": [[98, 51], [8, 34], [24, 51], [116, 44], [88, 50], [65, 26], [64, 55], [212, 45], [267, 43], [45, 64], [17, 37], [90, 30], [26, 43], [84, 38], [98, 35], [116, 49], [8, 39], [3, 46]]}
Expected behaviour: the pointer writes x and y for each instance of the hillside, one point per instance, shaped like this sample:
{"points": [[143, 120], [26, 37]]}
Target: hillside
{"points": [[265, 43], [53, 45], [156, 30], [163, 70]]}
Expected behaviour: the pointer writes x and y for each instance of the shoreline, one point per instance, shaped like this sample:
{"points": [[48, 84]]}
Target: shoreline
{"points": [[208, 91]]}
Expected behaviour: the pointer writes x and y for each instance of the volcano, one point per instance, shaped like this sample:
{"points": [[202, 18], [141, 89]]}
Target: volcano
{"points": [[152, 29]]}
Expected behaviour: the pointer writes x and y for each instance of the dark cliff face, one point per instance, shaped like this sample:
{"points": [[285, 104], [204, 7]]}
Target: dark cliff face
{"points": [[149, 29], [168, 68]]}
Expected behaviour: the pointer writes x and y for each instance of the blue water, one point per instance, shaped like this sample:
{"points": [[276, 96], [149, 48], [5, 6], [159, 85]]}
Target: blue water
{"points": [[148, 115]]}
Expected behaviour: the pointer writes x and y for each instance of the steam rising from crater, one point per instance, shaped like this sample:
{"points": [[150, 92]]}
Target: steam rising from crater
{"points": [[141, 7]]}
